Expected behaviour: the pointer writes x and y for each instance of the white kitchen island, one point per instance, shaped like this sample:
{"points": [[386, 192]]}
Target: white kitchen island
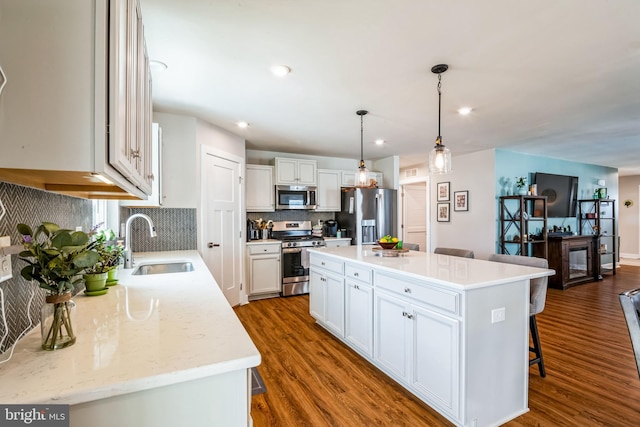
{"points": [[453, 331], [156, 350]]}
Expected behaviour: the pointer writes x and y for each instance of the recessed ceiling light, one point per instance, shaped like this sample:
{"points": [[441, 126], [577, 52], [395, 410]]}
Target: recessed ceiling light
{"points": [[465, 110], [157, 65], [379, 141], [280, 70], [242, 125]]}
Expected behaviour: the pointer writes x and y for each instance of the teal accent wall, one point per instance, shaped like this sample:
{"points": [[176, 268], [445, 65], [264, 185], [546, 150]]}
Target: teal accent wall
{"points": [[509, 165]]}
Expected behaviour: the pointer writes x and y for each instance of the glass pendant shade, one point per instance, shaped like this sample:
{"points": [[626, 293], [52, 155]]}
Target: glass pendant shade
{"points": [[362, 176], [440, 159]]}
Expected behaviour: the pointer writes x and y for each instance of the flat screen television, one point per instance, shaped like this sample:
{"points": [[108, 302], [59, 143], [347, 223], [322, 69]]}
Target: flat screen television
{"points": [[561, 192]]}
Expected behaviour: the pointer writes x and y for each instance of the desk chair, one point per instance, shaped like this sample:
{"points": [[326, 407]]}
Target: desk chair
{"points": [[463, 253], [630, 302], [538, 296]]}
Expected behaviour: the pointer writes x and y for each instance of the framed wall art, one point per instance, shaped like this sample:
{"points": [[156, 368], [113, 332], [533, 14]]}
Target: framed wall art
{"points": [[461, 200], [443, 191], [443, 212]]}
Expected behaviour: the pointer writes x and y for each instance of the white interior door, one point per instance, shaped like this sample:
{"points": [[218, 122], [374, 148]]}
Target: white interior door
{"points": [[414, 211], [221, 223]]}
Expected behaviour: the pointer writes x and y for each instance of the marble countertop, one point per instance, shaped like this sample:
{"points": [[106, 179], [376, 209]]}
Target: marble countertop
{"points": [[454, 272], [146, 332]]}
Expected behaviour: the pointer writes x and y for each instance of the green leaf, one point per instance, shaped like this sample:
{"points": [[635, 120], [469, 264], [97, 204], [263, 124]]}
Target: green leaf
{"points": [[79, 238], [26, 272], [25, 230], [50, 227], [61, 240], [86, 259]]}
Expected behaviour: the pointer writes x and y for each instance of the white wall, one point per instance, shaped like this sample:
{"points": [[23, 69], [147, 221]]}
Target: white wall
{"points": [[390, 167], [628, 217], [474, 229]]}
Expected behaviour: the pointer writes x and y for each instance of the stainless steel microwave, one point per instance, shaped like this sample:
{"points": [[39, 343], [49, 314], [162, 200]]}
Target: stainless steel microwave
{"points": [[295, 197]]}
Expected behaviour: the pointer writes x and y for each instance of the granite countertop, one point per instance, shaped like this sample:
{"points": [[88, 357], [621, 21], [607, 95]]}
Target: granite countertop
{"points": [[146, 332], [449, 271]]}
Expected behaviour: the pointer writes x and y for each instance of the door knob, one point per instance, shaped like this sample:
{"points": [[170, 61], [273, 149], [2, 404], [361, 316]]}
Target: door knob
{"points": [[213, 245]]}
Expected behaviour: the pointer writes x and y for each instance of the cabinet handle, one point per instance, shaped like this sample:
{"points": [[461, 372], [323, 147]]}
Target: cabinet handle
{"points": [[407, 290], [404, 314], [4, 80], [322, 263], [150, 176], [135, 154], [213, 245], [356, 287], [355, 274], [409, 316]]}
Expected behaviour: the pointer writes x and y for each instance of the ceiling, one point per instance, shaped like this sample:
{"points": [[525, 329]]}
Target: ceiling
{"points": [[558, 79]]}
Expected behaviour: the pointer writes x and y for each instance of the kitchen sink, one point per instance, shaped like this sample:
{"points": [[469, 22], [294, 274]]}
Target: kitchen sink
{"points": [[163, 268]]}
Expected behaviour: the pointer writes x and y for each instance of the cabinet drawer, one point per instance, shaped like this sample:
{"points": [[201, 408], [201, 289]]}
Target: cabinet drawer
{"points": [[358, 272], [264, 249], [327, 264], [446, 300]]}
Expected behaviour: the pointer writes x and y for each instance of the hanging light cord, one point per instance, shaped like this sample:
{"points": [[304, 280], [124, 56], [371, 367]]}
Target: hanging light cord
{"points": [[361, 140], [439, 139]]}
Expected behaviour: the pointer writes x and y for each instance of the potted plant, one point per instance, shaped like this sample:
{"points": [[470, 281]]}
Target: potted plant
{"points": [[56, 258], [97, 276], [521, 185]]}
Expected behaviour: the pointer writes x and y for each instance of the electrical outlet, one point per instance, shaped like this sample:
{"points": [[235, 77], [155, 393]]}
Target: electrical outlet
{"points": [[5, 261], [498, 315]]}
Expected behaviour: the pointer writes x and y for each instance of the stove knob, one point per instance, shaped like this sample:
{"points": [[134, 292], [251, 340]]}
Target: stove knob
{"points": [[294, 244], [289, 244]]}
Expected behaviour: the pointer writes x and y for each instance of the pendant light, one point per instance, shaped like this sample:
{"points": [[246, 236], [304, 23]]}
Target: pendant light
{"points": [[362, 174], [440, 157]]}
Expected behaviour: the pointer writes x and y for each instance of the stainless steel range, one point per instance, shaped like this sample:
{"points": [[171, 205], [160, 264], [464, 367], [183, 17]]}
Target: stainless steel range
{"points": [[296, 239]]}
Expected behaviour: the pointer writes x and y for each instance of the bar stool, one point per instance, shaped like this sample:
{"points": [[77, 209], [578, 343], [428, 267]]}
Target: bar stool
{"points": [[538, 296], [463, 253]]}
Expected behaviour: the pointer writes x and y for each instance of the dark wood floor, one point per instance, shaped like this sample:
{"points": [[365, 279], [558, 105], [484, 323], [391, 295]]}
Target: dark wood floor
{"points": [[312, 379]]}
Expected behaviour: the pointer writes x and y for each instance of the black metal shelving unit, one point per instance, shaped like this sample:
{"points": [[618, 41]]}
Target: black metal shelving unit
{"points": [[523, 225], [598, 217]]}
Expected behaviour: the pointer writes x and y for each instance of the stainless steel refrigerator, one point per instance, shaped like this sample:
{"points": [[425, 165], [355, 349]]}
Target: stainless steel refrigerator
{"points": [[368, 214]]}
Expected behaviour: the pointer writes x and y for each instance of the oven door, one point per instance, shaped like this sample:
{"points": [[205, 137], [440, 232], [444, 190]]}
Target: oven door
{"points": [[295, 271]]}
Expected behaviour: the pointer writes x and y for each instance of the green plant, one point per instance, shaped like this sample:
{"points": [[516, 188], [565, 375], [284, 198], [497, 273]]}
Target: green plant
{"points": [[110, 255], [521, 181], [55, 257]]}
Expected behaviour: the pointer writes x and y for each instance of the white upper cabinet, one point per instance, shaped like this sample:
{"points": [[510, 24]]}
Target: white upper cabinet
{"points": [[295, 171], [259, 188], [328, 191], [76, 103], [155, 199]]}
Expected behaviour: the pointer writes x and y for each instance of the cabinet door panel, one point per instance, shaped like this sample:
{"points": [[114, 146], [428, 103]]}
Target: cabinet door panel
{"points": [[359, 316], [307, 172], [265, 274], [334, 308], [328, 191], [391, 330], [259, 188], [286, 170], [435, 363], [317, 295]]}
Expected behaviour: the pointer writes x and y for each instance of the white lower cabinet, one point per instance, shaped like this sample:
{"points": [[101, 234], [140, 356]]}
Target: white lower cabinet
{"points": [[409, 329], [263, 266], [358, 328], [420, 347]]}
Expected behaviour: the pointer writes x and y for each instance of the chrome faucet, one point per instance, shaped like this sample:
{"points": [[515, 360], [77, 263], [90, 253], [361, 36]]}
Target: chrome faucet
{"points": [[128, 255]]}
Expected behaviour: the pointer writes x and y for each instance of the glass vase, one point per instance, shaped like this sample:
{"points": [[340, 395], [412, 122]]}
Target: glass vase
{"points": [[56, 321]]}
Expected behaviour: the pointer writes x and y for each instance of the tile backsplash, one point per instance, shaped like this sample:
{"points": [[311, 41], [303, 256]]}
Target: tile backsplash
{"points": [[176, 229], [32, 206]]}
